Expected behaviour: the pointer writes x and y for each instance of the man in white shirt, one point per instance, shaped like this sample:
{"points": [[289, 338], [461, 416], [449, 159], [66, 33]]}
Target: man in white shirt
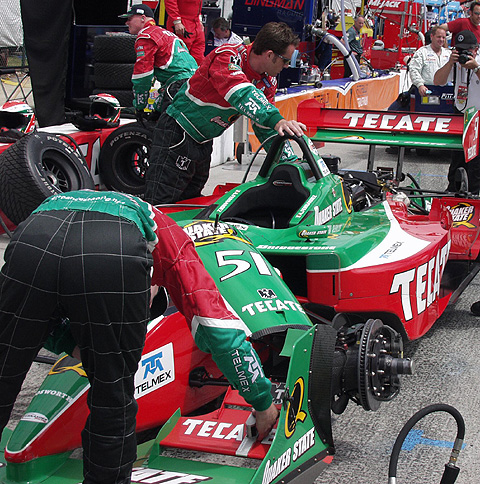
{"points": [[428, 59], [221, 34]]}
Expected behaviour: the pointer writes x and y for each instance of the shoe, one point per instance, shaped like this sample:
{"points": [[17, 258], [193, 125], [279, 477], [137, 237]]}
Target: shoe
{"points": [[475, 308]]}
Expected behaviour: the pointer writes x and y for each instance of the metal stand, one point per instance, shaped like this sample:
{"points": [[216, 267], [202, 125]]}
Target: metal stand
{"points": [[18, 92]]}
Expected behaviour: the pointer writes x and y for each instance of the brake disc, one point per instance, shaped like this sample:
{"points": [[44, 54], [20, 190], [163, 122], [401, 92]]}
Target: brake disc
{"points": [[380, 362]]}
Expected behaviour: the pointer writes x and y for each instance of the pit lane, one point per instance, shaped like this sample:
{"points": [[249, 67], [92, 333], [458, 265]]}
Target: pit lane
{"points": [[446, 371]]}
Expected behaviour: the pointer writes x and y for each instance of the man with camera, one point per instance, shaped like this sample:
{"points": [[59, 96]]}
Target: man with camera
{"points": [[463, 69]]}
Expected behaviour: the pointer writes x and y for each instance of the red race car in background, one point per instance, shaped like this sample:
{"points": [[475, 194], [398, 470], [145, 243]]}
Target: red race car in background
{"points": [[97, 149]]}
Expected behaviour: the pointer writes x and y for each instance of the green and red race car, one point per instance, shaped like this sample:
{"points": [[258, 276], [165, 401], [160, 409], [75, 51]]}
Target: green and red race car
{"points": [[329, 271]]}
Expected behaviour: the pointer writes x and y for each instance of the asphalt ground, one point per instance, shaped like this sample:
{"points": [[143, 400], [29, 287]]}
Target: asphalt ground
{"points": [[446, 370]]}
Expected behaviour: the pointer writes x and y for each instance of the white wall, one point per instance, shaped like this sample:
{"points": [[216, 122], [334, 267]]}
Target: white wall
{"points": [[11, 29]]}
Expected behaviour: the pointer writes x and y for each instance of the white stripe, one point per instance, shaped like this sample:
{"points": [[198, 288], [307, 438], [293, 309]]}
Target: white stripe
{"points": [[219, 323], [143, 74], [410, 246]]}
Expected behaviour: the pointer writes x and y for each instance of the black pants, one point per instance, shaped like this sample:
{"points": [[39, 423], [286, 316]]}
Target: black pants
{"points": [[178, 165], [93, 268], [472, 168]]}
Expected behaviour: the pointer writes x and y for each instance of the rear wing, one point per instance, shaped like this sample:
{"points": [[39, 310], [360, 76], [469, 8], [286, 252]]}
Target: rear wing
{"points": [[391, 128]]}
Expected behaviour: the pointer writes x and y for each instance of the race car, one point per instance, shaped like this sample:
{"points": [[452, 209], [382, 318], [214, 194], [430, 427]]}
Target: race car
{"points": [[330, 272]]}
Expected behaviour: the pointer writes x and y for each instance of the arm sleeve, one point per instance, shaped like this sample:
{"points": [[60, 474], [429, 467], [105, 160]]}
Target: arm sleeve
{"points": [[215, 329], [232, 84], [143, 72], [171, 6], [415, 69]]}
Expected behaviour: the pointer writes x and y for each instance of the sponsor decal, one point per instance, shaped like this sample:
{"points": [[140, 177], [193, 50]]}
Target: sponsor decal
{"points": [[462, 213], [272, 305], [305, 206], [154, 476], [278, 392], [423, 281], [213, 429], [218, 120], [294, 412], [205, 232], [56, 393], [35, 417], [254, 369], [224, 205], [325, 215], [67, 363], [274, 467], [252, 106], [267, 293], [391, 250], [305, 234], [397, 122], [294, 247], [235, 62], [280, 4], [384, 3], [155, 370], [182, 163]]}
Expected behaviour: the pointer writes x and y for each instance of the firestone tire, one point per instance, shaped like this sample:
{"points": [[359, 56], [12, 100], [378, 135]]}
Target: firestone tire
{"points": [[124, 159], [35, 167]]}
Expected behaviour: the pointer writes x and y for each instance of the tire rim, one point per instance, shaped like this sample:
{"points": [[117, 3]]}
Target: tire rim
{"points": [[60, 172], [132, 164]]}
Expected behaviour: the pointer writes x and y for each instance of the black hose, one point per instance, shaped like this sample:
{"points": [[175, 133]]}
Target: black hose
{"points": [[451, 470]]}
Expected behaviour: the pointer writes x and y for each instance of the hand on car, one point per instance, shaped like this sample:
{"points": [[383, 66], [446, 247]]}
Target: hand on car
{"points": [[265, 421], [291, 127]]}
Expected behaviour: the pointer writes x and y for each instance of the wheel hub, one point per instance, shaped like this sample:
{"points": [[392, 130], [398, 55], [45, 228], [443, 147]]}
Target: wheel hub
{"points": [[370, 362]]}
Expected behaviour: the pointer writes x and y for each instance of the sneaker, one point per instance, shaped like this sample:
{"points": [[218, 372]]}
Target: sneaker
{"points": [[475, 308]]}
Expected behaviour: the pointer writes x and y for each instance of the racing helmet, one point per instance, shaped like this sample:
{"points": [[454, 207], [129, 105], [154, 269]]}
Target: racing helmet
{"points": [[106, 107], [17, 115]]}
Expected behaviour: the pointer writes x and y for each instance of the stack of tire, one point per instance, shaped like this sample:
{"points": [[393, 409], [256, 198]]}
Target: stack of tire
{"points": [[114, 57]]}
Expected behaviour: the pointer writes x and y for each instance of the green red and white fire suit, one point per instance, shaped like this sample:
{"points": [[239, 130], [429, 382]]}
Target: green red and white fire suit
{"points": [[222, 89], [161, 55], [88, 256], [189, 12]]}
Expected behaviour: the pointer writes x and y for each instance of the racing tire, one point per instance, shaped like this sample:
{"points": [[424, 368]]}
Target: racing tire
{"points": [[124, 159], [113, 76], [35, 167], [114, 48]]}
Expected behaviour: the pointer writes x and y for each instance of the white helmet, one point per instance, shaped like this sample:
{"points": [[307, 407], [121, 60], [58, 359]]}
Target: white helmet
{"points": [[17, 115], [105, 106]]}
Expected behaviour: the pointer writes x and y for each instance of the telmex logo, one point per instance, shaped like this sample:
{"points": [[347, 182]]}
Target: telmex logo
{"points": [[294, 411]]}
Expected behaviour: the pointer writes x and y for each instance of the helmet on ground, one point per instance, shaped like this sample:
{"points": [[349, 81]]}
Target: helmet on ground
{"points": [[17, 115], [105, 106]]}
